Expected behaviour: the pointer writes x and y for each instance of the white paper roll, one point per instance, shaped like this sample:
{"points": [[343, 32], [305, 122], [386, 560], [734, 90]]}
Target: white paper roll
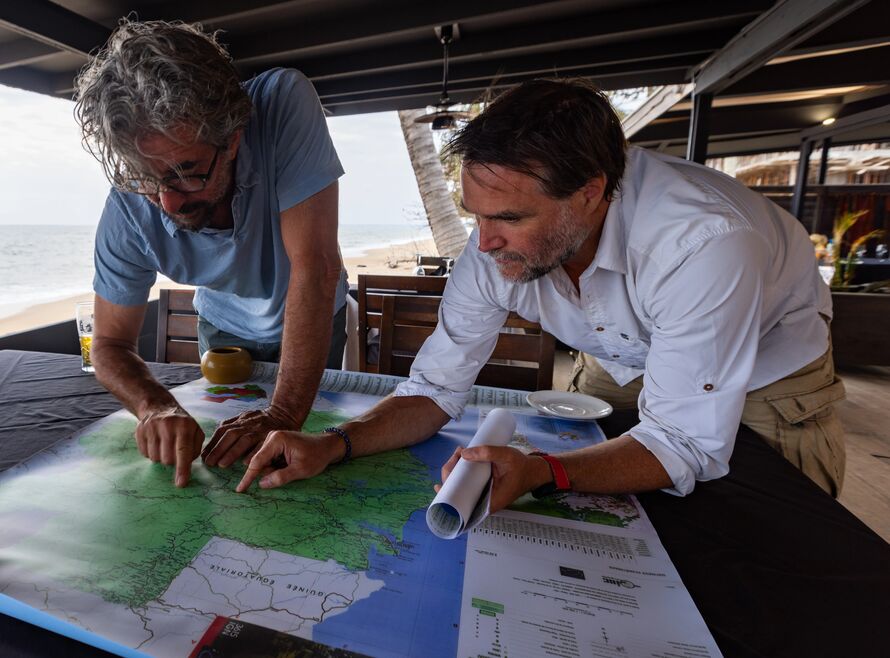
{"points": [[463, 501]]}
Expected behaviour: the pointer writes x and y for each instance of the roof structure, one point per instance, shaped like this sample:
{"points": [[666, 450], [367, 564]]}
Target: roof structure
{"points": [[374, 55], [839, 71], [763, 70]]}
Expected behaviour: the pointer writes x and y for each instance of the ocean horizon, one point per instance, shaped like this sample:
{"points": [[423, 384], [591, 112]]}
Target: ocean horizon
{"points": [[46, 263]]}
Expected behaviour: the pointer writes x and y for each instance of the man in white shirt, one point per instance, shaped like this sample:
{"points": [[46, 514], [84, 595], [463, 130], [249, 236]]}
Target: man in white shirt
{"points": [[682, 286]]}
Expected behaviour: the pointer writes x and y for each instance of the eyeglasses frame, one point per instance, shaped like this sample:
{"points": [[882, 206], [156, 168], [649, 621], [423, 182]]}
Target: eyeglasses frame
{"points": [[169, 182]]}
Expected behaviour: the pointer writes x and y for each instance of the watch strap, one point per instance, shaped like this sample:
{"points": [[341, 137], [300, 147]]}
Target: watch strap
{"points": [[560, 481]]}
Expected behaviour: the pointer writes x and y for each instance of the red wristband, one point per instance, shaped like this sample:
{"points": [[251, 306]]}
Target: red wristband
{"points": [[558, 471]]}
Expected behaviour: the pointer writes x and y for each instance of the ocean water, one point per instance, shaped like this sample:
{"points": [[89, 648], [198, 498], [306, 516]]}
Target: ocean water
{"points": [[44, 263], [357, 238]]}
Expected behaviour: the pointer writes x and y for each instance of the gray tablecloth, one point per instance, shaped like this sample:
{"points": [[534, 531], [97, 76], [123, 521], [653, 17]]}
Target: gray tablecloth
{"points": [[45, 398]]}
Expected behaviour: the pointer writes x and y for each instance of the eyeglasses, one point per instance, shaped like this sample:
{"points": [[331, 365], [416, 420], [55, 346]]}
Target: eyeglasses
{"points": [[182, 184]]}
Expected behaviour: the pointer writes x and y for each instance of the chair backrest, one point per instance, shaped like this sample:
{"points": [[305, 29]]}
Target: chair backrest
{"points": [[177, 327], [435, 265], [371, 289], [521, 359]]}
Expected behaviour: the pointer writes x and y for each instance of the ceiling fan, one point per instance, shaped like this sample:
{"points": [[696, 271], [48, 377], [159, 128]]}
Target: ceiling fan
{"points": [[444, 118]]}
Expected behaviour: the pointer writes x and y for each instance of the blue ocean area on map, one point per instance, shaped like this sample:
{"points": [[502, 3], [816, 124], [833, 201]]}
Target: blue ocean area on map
{"points": [[418, 610]]}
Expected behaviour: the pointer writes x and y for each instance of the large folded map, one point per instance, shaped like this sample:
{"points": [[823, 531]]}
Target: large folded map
{"points": [[95, 537]]}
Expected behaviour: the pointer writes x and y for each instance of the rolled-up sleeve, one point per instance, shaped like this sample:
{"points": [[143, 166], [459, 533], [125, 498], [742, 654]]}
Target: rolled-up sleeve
{"points": [[706, 312], [470, 317]]}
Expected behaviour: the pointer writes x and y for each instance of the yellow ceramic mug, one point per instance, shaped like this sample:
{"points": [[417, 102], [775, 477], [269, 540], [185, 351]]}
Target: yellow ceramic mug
{"points": [[226, 365]]}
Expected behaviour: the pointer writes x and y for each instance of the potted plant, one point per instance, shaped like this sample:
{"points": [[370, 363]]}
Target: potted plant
{"points": [[844, 268], [861, 315]]}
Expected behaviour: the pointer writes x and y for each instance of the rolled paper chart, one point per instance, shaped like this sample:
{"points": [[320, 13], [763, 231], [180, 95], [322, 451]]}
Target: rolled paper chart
{"points": [[463, 501]]}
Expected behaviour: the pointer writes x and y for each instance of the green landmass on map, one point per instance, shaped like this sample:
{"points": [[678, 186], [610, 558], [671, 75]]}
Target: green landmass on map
{"points": [[113, 523], [615, 511]]}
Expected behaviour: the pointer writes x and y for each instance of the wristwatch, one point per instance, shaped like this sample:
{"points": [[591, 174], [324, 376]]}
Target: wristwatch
{"points": [[560, 482]]}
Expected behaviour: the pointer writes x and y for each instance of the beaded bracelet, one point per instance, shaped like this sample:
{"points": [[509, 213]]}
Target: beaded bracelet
{"points": [[343, 435]]}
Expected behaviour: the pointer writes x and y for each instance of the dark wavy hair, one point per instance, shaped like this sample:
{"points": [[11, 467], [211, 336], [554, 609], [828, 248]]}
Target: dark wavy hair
{"points": [[561, 132], [155, 77]]}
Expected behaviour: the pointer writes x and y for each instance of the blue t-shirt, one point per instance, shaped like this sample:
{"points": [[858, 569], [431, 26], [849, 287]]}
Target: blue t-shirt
{"points": [[285, 156]]}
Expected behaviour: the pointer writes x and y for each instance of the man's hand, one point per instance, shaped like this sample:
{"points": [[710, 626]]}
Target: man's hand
{"points": [[170, 436], [514, 473], [242, 436], [288, 456]]}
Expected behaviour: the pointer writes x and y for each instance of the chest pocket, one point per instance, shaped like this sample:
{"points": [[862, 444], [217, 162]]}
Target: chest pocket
{"points": [[625, 349]]}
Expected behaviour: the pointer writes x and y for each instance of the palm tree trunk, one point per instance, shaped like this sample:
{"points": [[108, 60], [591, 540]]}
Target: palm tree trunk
{"points": [[449, 233]]}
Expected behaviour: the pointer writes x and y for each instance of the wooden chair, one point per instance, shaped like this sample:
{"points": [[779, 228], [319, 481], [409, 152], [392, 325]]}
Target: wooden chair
{"points": [[520, 360], [435, 265], [371, 289], [177, 327]]}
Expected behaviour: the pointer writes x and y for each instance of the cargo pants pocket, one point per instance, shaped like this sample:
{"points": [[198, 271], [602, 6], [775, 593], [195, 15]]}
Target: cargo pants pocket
{"points": [[808, 433]]}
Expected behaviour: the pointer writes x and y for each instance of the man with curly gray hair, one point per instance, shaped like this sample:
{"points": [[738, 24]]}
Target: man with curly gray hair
{"points": [[227, 186]]}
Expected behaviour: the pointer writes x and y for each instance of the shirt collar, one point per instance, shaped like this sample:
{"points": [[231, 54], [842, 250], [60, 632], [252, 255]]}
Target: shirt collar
{"points": [[169, 226], [246, 174], [611, 253]]}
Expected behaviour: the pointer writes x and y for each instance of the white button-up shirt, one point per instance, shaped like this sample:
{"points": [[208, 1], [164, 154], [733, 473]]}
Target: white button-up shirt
{"points": [[703, 286]]}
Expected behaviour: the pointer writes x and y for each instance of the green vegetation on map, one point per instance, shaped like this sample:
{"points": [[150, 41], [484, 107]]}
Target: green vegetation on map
{"points": [[615, 511], [113, 524]]}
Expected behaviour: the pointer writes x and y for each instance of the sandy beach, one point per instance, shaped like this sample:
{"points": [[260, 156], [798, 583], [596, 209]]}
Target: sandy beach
{"points": [[394, 259]]}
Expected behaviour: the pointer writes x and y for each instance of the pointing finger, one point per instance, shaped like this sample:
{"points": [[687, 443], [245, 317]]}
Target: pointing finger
{"points": [[260, 462], [249, 476], [184, 457]]}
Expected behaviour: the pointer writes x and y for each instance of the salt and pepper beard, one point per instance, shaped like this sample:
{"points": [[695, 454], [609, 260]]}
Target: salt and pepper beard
{"points": [[556, 247], [207, 207]]}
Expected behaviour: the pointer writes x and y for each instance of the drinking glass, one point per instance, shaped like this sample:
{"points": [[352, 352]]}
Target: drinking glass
{"points": [[84, 317]]}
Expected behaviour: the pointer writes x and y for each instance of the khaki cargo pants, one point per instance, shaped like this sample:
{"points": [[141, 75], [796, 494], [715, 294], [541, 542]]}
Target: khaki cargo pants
{"points": [[795, 415]]}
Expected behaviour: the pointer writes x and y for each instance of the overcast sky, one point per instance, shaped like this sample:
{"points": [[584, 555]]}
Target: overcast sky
{"points": [[47, 178]]}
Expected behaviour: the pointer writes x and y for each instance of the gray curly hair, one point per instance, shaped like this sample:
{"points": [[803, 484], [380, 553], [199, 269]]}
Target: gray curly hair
{"points": [[153, 77]]}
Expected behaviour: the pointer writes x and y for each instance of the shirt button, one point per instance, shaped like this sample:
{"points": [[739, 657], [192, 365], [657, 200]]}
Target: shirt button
{"points": [[600, 329], [708, 387]]}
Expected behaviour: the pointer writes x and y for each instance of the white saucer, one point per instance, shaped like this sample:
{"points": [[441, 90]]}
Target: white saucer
{"points": [[574, 406]]}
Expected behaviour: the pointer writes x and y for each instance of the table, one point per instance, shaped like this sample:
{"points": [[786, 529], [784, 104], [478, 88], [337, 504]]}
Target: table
{"points": [[775, 565]]}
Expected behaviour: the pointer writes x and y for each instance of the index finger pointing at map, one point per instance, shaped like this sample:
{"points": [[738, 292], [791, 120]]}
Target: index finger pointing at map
{"points": [[260, 461], [249, 476], [184, 459]]}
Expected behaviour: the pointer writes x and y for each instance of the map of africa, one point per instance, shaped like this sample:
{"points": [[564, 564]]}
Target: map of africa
{"points": [[94, 534]]}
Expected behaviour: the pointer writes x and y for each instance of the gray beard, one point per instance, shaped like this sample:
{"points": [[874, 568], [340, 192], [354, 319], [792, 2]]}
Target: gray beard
{"points": [[563, 243], [199, 221]]}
